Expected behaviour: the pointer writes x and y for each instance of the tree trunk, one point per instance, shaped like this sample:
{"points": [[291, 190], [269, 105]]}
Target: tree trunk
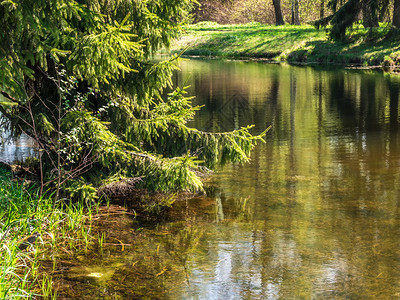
{"points": [[295, 12], [322, 10], [383, 11], [278, 12], [396, 14], [369, 10]]}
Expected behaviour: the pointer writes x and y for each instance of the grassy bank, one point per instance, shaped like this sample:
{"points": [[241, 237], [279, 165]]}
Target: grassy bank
{"points": [[32, 229], [303, 44], [41, 238]]}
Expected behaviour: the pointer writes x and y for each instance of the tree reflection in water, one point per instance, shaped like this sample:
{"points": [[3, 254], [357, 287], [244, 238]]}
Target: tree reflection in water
{"points": [[316, 214]]}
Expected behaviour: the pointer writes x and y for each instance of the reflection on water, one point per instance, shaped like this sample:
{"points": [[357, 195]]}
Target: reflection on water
{"points": [[16, 149], [323, 192], [314, 215]]}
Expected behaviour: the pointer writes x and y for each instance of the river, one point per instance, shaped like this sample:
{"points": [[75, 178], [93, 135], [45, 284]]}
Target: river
{"points": [[316, 212], [314, 215]]}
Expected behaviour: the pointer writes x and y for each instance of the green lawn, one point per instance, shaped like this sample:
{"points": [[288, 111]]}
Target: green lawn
{"points": [[292, 43]]}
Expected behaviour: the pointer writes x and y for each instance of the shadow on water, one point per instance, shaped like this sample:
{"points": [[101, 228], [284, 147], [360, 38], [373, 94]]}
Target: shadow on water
{"points": [[315, 214]]}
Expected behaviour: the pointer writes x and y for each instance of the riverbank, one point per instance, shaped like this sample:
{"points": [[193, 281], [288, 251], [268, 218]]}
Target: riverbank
{"points": [[45, 244], [296, 44], [34, 229]]}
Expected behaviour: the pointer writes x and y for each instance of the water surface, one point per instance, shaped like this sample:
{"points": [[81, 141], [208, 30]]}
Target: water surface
{"points": [[316, 212], [314, 215]]}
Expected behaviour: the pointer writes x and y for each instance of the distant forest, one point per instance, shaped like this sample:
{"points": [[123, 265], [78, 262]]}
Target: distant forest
{"points": [[280, 12]]}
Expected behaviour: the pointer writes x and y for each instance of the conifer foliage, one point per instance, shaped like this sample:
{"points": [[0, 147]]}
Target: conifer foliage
{"points": [[77, 77], [369, 11]]}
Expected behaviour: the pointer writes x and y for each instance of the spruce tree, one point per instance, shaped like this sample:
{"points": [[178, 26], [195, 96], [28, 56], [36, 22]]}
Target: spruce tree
{"points": [[346, 15], [77, 76]]}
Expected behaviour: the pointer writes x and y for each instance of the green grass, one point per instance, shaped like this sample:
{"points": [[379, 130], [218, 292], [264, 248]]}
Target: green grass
{"points": [[303, 44], [63, 227]]}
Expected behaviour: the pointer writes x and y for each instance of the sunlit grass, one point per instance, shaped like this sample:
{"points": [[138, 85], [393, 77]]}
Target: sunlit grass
{"points": [[302, 43], [33, 227]]}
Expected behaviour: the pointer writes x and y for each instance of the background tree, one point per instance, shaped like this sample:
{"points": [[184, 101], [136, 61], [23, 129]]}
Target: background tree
{"points": [[384, 8], [77, 77], [396, 14], [370, 13], [211, 10], [278, 12], [263, 11], [295, 12]]}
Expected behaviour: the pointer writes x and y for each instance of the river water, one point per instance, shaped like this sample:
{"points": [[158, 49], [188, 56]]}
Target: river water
{"points": [[16, 149], [314, 215]]}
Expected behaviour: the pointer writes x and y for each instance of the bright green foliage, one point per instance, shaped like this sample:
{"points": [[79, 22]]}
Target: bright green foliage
{"points": [[57, 227], [292, 43], [77, 77]]}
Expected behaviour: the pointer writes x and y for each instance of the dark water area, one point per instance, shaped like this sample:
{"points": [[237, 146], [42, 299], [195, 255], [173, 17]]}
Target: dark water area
{"points": [[314, 215]]}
